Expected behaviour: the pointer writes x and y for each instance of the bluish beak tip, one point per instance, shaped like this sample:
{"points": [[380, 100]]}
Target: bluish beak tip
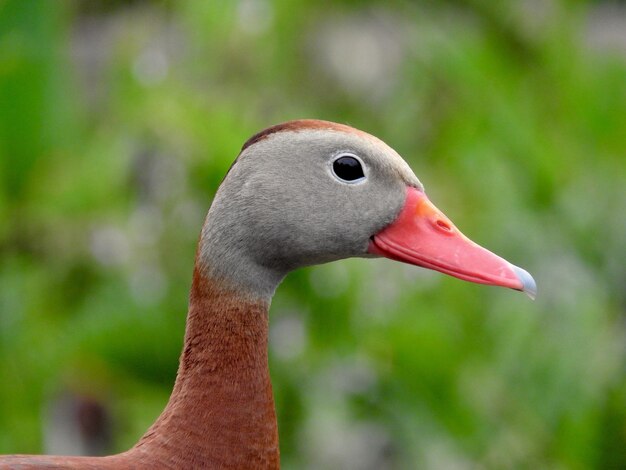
{"points": [[529, 286]]}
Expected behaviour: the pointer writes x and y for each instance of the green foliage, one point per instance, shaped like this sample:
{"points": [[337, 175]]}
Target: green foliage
{"points": [[118, 121]]}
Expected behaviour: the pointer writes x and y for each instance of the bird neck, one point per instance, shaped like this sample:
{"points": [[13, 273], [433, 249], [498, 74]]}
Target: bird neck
{"points": [[221, 411]]}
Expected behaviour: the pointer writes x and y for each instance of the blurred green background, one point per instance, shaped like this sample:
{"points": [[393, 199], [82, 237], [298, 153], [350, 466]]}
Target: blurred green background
{"points": [[118, 120]]}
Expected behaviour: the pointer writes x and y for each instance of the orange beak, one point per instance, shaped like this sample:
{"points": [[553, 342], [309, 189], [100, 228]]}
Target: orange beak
{"points": [[422, 235]]}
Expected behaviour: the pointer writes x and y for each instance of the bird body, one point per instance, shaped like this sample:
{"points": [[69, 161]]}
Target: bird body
{"points": [[300, 193]]}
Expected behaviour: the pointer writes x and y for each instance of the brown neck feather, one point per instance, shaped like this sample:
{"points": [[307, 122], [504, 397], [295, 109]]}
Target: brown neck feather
{"points": [[221, 411]]}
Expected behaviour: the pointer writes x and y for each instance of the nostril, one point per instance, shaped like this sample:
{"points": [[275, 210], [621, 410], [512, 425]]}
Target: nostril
{"points": [[442, 224]]}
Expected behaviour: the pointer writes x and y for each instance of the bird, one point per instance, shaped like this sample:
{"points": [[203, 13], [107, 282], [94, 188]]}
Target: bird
{"points": [[299, 193]]}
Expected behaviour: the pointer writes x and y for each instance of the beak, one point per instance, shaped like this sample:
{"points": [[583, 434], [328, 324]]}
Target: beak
{"points": [[422, 235]]}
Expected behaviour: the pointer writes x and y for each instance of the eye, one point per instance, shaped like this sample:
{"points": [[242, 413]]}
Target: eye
{"points": [[348, 168]]}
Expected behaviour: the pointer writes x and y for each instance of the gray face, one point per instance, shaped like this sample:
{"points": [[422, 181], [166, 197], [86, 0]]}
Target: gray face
{"points": [[282, 207]]}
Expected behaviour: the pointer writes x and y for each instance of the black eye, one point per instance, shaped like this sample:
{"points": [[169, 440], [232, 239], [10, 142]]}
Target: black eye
{"points": [[348, 168]]}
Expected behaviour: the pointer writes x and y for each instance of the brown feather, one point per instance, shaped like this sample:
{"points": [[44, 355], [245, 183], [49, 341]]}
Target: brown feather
{"points": [[301, 125], [221, 412]]}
